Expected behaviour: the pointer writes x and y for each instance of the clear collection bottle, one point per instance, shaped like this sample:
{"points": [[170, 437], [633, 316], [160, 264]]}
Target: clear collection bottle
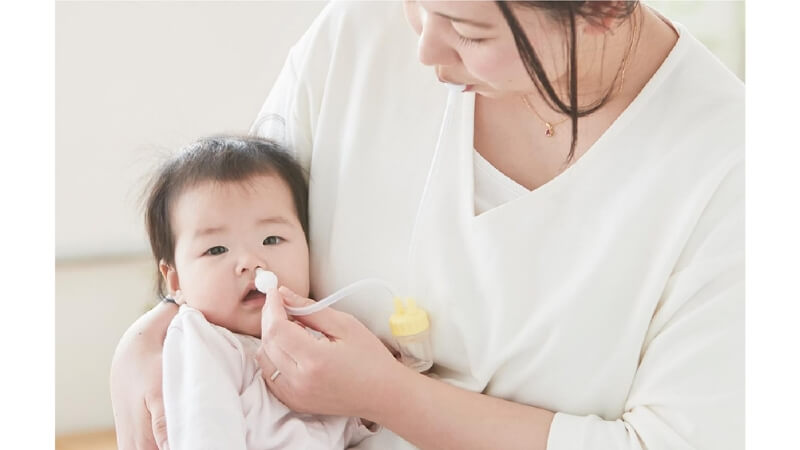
{"points": [[411, 329]]}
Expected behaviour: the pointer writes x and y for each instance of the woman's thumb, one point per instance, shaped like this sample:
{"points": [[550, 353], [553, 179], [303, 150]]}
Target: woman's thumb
{"points": [[327, 320], [290, 298], [159, 422]]}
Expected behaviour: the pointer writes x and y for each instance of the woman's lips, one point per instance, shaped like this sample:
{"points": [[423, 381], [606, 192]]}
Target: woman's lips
{"points": [[456, 83]]}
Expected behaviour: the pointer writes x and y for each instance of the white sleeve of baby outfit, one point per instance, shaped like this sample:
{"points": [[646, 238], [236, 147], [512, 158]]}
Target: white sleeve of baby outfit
{"points": [[202, 373], [688, 391]]}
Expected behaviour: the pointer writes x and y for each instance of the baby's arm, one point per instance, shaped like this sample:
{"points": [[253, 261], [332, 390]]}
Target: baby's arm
{"points": [[202, 373]]}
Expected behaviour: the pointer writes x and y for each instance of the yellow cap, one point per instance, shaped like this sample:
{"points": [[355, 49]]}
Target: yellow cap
{"points": [[407, 321]]}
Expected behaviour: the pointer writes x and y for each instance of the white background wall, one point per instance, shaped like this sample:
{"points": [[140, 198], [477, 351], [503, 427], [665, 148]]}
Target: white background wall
{"points": [[137, 79]]}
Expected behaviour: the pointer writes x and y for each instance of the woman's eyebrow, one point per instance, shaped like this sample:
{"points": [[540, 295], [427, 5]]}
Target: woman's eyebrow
{"points": [[465, 21]]}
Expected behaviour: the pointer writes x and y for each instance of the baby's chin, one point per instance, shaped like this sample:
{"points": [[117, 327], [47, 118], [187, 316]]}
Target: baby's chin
{"points": [[254, 333], [243, 322], [247, 329]]}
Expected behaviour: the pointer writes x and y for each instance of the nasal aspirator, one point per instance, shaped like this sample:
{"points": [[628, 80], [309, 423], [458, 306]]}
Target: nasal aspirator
{"points": [[409, 323]]}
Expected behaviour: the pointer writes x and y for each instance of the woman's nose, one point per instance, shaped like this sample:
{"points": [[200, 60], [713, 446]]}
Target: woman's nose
{"points": [[433, 48]]}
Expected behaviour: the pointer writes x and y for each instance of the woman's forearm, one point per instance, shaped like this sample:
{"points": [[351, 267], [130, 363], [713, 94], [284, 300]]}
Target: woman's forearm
{"points": [[433, 414], [141, 342], [136, 380], [150, 329]]}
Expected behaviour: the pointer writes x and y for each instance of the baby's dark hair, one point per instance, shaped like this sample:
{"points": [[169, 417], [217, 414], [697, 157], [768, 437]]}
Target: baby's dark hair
{"points": [[222, 159]]}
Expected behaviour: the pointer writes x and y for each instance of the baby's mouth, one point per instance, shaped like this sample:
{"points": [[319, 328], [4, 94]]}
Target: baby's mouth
{"points": [[253, 295]]}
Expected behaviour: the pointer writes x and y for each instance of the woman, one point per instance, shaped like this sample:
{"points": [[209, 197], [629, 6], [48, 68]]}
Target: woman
{"points": [[571, 217]]}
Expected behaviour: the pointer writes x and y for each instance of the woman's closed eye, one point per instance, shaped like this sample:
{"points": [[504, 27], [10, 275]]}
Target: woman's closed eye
{"points": [[216, 250], [468, 42], [272, 240]]}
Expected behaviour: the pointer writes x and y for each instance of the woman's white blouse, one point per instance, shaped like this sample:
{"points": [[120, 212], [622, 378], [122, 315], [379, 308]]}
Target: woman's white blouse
{"points": [[492, 187], [613, 294]]}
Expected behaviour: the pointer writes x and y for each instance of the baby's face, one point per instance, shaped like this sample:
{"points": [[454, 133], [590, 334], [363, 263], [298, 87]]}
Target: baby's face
{"points": [[223, 231]]}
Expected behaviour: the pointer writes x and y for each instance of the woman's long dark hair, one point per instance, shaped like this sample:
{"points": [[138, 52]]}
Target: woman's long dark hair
{"points": [[565, 12]]}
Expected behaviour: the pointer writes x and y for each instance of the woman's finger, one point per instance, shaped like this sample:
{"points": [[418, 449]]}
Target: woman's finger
{"points": [[271, 357], [273, 309], [275, 363], [329, 321], [266, 364], [158, 420], [279, 332], [290, 298], [140, 437]]}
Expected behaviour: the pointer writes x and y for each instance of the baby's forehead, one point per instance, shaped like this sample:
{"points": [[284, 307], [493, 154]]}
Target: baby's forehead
{"points": [[259, 200], [266, 186]]}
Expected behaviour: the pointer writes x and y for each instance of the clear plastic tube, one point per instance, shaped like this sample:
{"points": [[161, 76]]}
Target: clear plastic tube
{"points": [[338, 295], [266, 279], [447, 118]]}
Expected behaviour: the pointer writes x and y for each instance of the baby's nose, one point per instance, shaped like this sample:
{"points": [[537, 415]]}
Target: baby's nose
{"points": [[248, 263]]}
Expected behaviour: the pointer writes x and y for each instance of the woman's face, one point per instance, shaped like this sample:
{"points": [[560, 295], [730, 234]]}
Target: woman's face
{"points": [[470, 43]]}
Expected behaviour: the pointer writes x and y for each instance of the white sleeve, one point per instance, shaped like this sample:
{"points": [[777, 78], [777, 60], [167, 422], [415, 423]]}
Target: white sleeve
{"points": [[202, 374], [284, 115], [688, 391], [288, 114]]}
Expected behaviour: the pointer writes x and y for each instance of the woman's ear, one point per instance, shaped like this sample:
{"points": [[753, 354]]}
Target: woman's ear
{"points": [[603, 17], [170, 277]]}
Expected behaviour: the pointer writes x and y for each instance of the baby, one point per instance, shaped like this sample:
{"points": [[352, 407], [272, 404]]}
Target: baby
{"points": [[215, 212]]}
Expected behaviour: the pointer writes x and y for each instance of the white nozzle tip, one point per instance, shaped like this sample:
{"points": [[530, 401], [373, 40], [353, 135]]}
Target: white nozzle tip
{"points": [[265, 280]]}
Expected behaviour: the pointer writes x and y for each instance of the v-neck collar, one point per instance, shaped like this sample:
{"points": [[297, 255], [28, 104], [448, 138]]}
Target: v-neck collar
{"points": [[589, 159]]}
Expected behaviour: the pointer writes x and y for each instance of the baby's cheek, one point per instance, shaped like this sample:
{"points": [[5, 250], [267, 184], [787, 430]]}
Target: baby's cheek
{"points": [[202, 293], [299, 285], [296, 280]]}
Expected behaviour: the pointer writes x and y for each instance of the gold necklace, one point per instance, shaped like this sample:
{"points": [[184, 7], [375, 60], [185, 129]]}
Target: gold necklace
{"points": [[631, 48], [549, 127]]}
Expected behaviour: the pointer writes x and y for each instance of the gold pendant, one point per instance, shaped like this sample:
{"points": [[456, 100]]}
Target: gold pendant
{"points": [[549, 131]]}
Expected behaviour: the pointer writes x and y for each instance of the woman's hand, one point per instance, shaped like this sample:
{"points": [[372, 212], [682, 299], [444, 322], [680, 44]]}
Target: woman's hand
{"points": [[136, 382], [342, 373], [351, 373]]}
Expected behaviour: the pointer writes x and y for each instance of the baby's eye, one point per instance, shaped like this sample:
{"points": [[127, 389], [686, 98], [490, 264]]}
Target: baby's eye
{"points": [[272, 240], [217, 250]]}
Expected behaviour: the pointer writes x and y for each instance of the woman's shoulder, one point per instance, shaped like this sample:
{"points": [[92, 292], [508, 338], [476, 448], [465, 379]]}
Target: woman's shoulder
{"points": [[364, 24], [695, 79], [692, 107], [386, 10], [349, 34]]}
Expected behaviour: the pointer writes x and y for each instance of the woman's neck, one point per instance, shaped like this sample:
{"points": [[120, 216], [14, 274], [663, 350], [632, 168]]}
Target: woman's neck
{"points": [[616, 63]]}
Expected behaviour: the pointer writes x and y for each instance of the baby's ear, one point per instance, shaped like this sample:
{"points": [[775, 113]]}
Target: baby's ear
{"points": [[170, 277]]}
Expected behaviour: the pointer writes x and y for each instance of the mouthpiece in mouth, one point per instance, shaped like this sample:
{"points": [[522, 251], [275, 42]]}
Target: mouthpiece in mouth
{"points": [[456, 87]]}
